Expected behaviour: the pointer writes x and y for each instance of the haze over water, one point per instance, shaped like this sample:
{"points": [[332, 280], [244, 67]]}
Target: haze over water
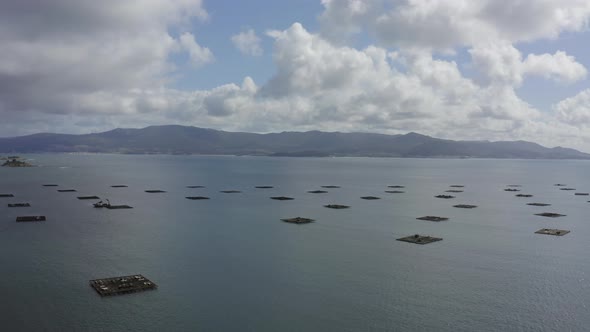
{"points": [[230, 264]]}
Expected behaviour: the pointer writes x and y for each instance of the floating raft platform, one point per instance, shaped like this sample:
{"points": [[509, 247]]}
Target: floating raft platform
{"points": [[549, 231], [122, 285], [454, 191], [230, 191], [582, 194], [511, 189], [30, 218], [282, 198], [457, 186], [157, 191], [523, 195], [119, 186], [394, 191], [560, 184], [67, 190], [298, 220], [330, 186], [50, 185], [550, 214], [6, 195], [317, 191], [538, 204], [19, 205], [264, 187], [118, 207], [370, 198], [396, 186], [465, 206], [88, 197], [195, 187], [419, 239], [444, 196], [196, 198], [567, 189], [336, 206], [433, 218]]}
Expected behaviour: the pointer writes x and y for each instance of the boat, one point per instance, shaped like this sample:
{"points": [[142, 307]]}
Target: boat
{"points": [[102, 204]]}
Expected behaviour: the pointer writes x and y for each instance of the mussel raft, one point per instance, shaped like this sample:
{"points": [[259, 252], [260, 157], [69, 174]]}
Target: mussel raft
{"points": [[298, 220], [122, 285], [465, 206], [550, 214], [433, 218], [30, 218], [419, 239], [549, 231], [336, 206], [282, 198], [538, 204], [19, 205]]}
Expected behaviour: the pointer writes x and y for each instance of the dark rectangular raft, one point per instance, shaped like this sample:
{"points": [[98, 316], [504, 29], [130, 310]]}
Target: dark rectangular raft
{"points": [[122, 285], [155, 191], [118, 207], [30, 218], [196, 198], [6, 195], [433, 218], [465, 206], [67, 190], [298, 220], [19, 205], [119, 186], [550, 214], [419, 239], [282, 198], [556, 232], [88, 197], [50, 185]]}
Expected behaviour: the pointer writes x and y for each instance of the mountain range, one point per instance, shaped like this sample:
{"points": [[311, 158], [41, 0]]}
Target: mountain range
{"points": [[174, 139]]}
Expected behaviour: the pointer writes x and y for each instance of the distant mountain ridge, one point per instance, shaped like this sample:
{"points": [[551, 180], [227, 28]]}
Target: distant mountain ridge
{"points": [[175, 139]]}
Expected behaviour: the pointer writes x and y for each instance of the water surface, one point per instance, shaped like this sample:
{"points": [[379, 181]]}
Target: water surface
{"points": [[230, 264]]}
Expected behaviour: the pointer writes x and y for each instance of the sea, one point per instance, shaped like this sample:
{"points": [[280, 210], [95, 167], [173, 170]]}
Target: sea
{"points": [[230, 264]]}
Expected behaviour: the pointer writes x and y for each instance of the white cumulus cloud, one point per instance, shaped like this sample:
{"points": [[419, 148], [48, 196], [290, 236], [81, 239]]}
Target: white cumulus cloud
{"points": [[248, 42], [198, 55]]}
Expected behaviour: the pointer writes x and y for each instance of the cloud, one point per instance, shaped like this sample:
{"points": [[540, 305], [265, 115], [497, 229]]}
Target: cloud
{"points": [[559, 67], [575, 110], [248, 42], [57, 55], [502, 63], [198, 55], [444, 25]]}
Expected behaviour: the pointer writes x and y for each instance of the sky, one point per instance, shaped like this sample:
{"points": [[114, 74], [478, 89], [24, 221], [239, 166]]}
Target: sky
{"points": [[455, 69]]}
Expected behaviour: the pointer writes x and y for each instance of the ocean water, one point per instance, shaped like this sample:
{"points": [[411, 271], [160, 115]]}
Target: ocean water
{"points": [[230, 264]]}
